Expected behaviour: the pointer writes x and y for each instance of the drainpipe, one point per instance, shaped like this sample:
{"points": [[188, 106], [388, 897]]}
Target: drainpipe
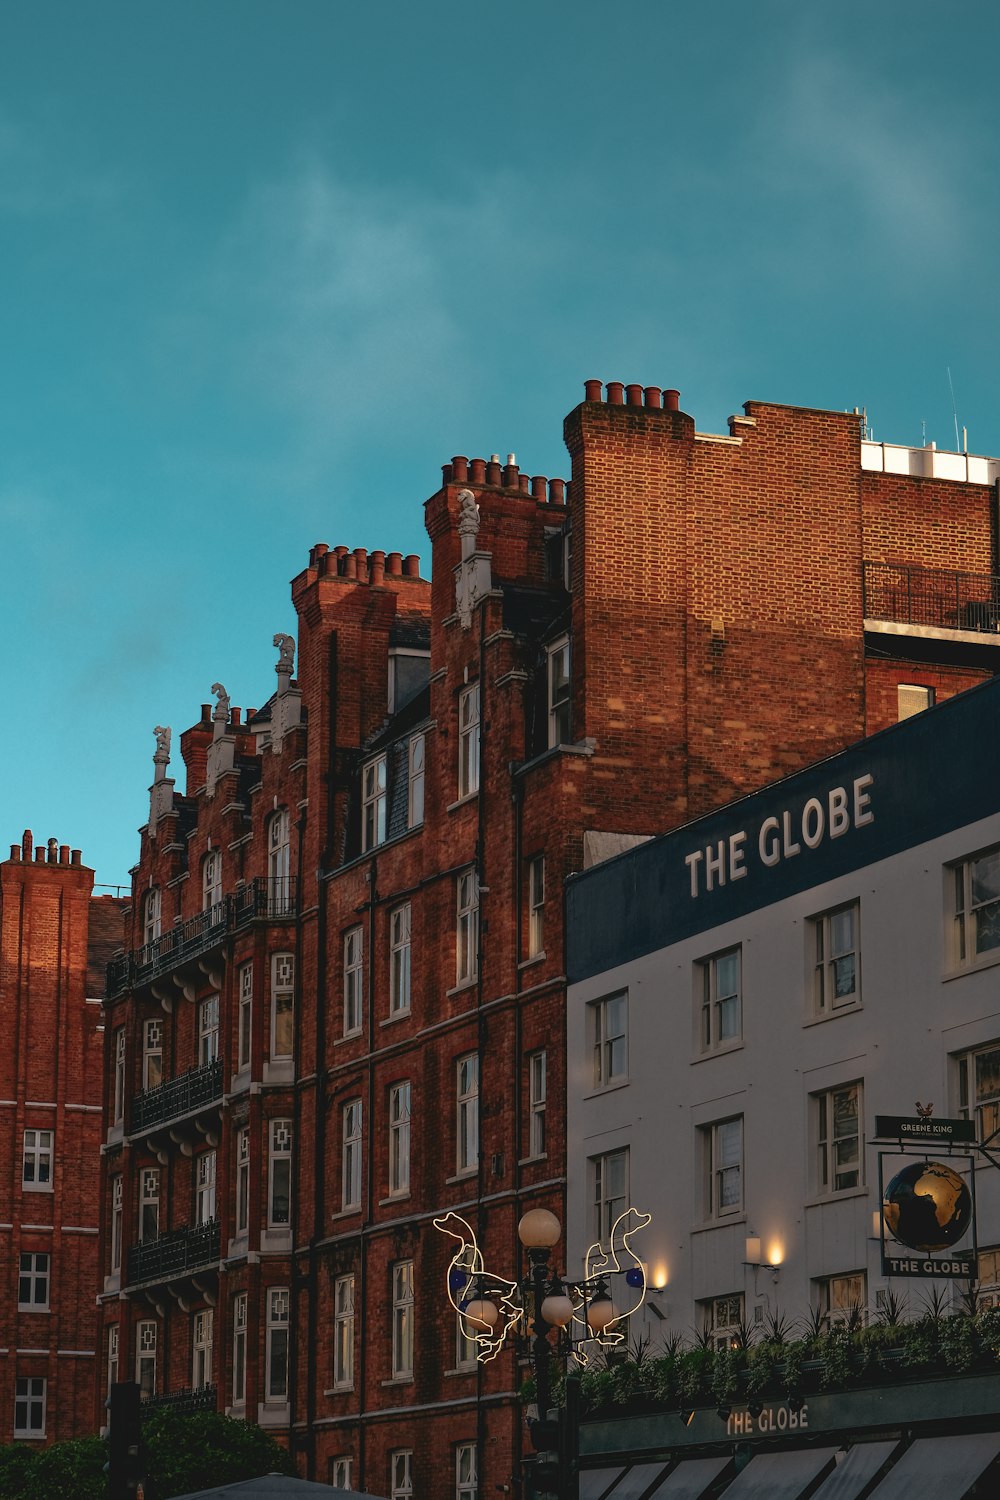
{"points": [[296, 1278]]}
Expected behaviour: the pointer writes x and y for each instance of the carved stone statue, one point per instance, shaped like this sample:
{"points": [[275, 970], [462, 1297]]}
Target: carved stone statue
{"points": [[468, 521], [286, 654], [220, 712], [161, 755]]}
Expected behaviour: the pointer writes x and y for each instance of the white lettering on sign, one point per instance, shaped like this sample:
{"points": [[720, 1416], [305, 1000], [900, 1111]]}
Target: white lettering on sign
{"points": [[770, 1419], [782, 837]]}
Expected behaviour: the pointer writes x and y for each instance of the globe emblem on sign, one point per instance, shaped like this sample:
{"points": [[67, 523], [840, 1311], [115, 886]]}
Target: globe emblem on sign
{"points": [[927, 1206]]}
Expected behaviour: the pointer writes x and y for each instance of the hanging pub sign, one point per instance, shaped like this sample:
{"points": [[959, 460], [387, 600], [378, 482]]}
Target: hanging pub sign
{"points": [[924, 1128], [928, 1210]]}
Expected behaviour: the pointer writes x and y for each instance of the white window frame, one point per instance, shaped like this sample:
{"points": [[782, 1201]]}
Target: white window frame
{"points": [[204, 1191], [537, 1089], [146, 1338], [968, 908], [208, 1030], [466, 927], [722, 1319], [609, 1039], [466, 1347], [118, 1103], [282, 1006], [416, 764], [468, 740], [536, 907], [833, 1136], [374, 802], [558, 692], [112, 1362], [279, 862], [243, 1180], [33, 1281], [202, 1335], [719, 1002], [279, 1174], [402, 1320], [836, 962], [609, 1191], [340, 1472], [467, 1114], [838, 1296], [913, 698], [399, 1138], [276, 1345], [240, 1349], [354, 980], [400, 956], [152, 915], [401, 1474], [152, 1054], [37, 1160], [244, 1029], [117, 1215], [30, 1406], [352, 1127], [343, 1333], [396, 653], [723, 1166], [149, 1205], [211, 879], [466, 1472], [988, 1278], [978, 1093]]}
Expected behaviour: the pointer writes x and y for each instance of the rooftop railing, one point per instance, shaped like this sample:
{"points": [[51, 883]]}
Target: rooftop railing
{"points": [[199, 1398], [174, 1254], [940, 598], [193, 1090], [269, 897]]}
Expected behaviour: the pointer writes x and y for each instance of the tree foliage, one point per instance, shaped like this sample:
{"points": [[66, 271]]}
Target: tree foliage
{"points": [[186, 1452]]}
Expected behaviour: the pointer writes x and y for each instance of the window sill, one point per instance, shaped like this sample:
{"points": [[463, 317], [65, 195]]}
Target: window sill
{"points": [[833, 1015], [530, 1161], [37, 1187], [348, 1036], [397, 1380], [346, 1213], [723, 1223], [462, 801], [339, 1390], [278, 1070], [392, 1198], [842, 1195], [458, 1371], [985, 961], [464, 1176], [240, 1082], [722, 1051], [273, 1414], [536, 958], [463, 984], [608, 1088], [397, 1015], [28, 1307]]}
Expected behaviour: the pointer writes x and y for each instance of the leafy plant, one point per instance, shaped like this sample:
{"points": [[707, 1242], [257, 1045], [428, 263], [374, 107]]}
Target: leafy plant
{"points": [[776, 1328]]}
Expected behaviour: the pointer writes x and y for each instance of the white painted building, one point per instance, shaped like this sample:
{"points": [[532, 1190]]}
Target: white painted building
{"points": [[750, 991]]}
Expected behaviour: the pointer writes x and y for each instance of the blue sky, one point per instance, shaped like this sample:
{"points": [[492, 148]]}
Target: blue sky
{"points": [[266, 264]]}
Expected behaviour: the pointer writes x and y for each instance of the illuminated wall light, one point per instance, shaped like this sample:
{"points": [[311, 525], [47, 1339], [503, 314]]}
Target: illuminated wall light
{"points": [[775, 1253], [658, 1276], [752, 1255]]}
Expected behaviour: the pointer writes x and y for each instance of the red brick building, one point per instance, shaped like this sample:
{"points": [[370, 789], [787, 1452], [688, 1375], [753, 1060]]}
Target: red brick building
{"points": [[342, 1008], [56, 938]]}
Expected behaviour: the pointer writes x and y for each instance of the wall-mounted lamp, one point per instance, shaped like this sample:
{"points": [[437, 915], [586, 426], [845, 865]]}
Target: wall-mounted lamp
{"points": [[876, 1224], [752, 1255]]}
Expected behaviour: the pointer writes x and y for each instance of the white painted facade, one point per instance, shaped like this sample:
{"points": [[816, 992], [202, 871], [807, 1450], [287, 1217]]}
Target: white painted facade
{"points": [[916, 1011]]}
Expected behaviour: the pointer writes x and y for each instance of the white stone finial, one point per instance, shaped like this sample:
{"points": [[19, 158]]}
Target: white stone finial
{"points": [[468, 521], [161, 755], [286, 659], [220, 713]]}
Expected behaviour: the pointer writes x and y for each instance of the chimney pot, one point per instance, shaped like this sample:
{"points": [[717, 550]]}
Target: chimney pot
{"points": [[445, 474], [75, 856], [672, 400], [411, 566], [539, 485], [510, 474], [235, 715], [350, 566], [206, 712], [26, 843], [64, 854], [377, 574], [524, 484], [459, 469], [320, 550], [616, 393], [653, 396], [361, 554], [52, 851], [477, 471], [40, 854], [15, 851], [493, 471], [633, 395], [593, 390], [557, 491], [394, 564]]}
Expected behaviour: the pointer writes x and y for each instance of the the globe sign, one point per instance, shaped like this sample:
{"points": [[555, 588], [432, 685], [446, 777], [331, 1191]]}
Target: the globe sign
{"points": [[927, 1206]]}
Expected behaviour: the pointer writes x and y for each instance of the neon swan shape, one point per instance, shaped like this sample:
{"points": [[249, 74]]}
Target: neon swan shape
{"points": [[466, 1271], [618, 1261]]}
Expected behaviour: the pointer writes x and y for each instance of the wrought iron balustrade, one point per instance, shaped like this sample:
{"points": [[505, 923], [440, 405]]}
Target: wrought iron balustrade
{"points": [[193, 1090], [199, 1398], [174, 1254], [268, 897], [941, 598]]}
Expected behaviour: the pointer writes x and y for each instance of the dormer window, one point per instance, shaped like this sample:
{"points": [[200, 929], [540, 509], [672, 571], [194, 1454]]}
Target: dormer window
{"points": [[409, 671], [211, 879], [373, 803]]}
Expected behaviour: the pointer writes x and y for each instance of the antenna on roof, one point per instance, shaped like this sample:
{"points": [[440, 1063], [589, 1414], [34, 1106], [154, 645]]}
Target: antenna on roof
{"points": [[954, 409]]}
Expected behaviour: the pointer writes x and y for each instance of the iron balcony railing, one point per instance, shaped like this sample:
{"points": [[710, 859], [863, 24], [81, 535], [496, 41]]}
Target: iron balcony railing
{"points": [[193, 1090], [266, 896], [175, 1254], [201, 1398], [938, 597]]}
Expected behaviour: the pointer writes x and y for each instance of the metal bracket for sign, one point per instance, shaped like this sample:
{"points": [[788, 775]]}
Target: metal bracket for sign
{"points": [[927, 1137]]}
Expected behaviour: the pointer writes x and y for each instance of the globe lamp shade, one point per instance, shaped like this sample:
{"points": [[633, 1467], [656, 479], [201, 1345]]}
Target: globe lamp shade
{"points": [[538, 1229], [557, 1309], [482, 1313], [601, 1314]]}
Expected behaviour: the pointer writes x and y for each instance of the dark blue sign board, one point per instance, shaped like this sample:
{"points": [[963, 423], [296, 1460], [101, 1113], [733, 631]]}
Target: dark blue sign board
{"points": [[915, 781]]}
